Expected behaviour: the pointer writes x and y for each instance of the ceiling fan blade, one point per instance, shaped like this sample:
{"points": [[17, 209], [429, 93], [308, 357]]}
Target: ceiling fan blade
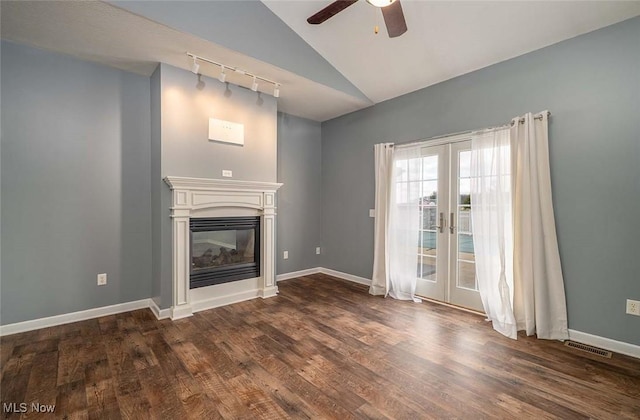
{"points": [[330, 11], [394, 19]]}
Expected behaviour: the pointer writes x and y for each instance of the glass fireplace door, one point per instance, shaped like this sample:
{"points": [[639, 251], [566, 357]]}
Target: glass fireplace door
{"points": [[224, 249]]}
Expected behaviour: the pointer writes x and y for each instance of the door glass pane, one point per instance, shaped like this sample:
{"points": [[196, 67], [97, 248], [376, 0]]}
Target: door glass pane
{"points": [[428, 267], [427, 248], [430, 168], [466, 257]]}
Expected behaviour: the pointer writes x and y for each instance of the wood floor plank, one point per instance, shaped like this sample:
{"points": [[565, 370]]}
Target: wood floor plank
{"points": [[42, 387], [102, 402], [71, 401], [322, 349]]}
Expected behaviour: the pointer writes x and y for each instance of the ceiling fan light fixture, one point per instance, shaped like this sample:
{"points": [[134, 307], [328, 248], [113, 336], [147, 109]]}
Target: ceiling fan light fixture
{"points": [[380, 3]]}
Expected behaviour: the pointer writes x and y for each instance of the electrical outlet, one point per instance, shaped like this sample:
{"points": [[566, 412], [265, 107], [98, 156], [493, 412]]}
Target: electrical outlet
{"points": [[227, 173], [102, 279], [633, 307], [317, 250], [285, 255]]}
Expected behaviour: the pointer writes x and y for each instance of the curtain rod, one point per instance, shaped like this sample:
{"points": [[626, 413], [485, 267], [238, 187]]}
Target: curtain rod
{"points": [[462, 133]]}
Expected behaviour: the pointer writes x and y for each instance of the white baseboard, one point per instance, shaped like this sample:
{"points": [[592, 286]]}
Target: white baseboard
{"points": [[180, 311], [52, 321], [269, 292], [215, 302], [159, 313], [345, 276], [294, 274], [327, 271], [605, 343]]}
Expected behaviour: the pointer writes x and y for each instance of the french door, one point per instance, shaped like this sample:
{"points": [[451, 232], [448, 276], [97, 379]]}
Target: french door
{"points": [[446, 263]]}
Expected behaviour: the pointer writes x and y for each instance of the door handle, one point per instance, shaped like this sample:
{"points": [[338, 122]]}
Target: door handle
{"points": [[452, 225], [440, 227]]}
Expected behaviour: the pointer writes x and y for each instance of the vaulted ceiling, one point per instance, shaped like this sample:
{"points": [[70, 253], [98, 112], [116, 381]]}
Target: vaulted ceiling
{"points": [[325, 70]]}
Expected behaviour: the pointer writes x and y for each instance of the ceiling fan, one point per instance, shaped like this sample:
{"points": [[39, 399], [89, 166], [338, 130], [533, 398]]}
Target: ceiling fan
{"points": [[391, 11]]}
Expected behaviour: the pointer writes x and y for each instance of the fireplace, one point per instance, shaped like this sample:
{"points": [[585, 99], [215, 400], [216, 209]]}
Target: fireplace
{"points": [[224, 249], [226, 205]]}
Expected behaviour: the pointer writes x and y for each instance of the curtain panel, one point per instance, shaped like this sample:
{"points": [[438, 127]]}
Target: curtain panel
{"points": [[517, 259], [383, 159], [539, 299], [491, 200], [397, 218]]}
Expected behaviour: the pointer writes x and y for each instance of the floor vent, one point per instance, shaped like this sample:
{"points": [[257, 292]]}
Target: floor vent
{"points": [[589, 349]]}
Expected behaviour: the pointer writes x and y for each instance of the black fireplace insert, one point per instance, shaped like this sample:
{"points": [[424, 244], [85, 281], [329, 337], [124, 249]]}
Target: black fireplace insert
{"points": [[224, 249]]}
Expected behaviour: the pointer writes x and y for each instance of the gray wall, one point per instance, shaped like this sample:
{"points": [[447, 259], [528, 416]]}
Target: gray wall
{"points": [[75, 185], [186, 109], [187, 103], [299, 199], [591, 84]]}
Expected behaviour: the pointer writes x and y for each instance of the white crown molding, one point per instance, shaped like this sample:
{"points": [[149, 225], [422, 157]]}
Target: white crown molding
{"points": [[186, 183], [605, 343]]}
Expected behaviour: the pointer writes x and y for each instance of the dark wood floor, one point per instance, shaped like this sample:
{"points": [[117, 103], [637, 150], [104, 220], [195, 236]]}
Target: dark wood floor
{"points": [[323, 348]]}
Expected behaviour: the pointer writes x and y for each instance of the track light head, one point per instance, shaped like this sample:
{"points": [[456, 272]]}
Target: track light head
{"points": [[195, 67], [254, 86]]}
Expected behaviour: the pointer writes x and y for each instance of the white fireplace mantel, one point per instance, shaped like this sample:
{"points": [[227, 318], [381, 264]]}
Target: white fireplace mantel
{"points": [[200, 197]]}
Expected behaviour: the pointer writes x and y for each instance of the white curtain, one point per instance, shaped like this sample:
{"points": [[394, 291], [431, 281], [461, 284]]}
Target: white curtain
{"points": [[517, 259], [492, 226], [539, 298], [397, 217], [383, 167], [404, 222]]}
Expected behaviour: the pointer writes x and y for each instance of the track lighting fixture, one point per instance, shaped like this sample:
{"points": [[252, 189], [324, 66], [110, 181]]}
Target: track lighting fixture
{"points": [[222, 77]]}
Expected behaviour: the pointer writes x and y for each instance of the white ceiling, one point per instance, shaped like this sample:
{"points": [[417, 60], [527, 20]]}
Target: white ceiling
{"points": [[444, 40]]}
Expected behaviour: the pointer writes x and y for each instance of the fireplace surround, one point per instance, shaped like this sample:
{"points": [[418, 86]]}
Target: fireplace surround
{"points": [[201, 198]]}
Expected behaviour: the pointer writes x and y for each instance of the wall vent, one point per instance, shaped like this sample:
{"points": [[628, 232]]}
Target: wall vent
{"points": [[589, 349]]}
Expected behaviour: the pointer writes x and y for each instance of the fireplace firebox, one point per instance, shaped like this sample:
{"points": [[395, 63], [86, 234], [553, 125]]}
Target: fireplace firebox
{"points": [[224, 249]]}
